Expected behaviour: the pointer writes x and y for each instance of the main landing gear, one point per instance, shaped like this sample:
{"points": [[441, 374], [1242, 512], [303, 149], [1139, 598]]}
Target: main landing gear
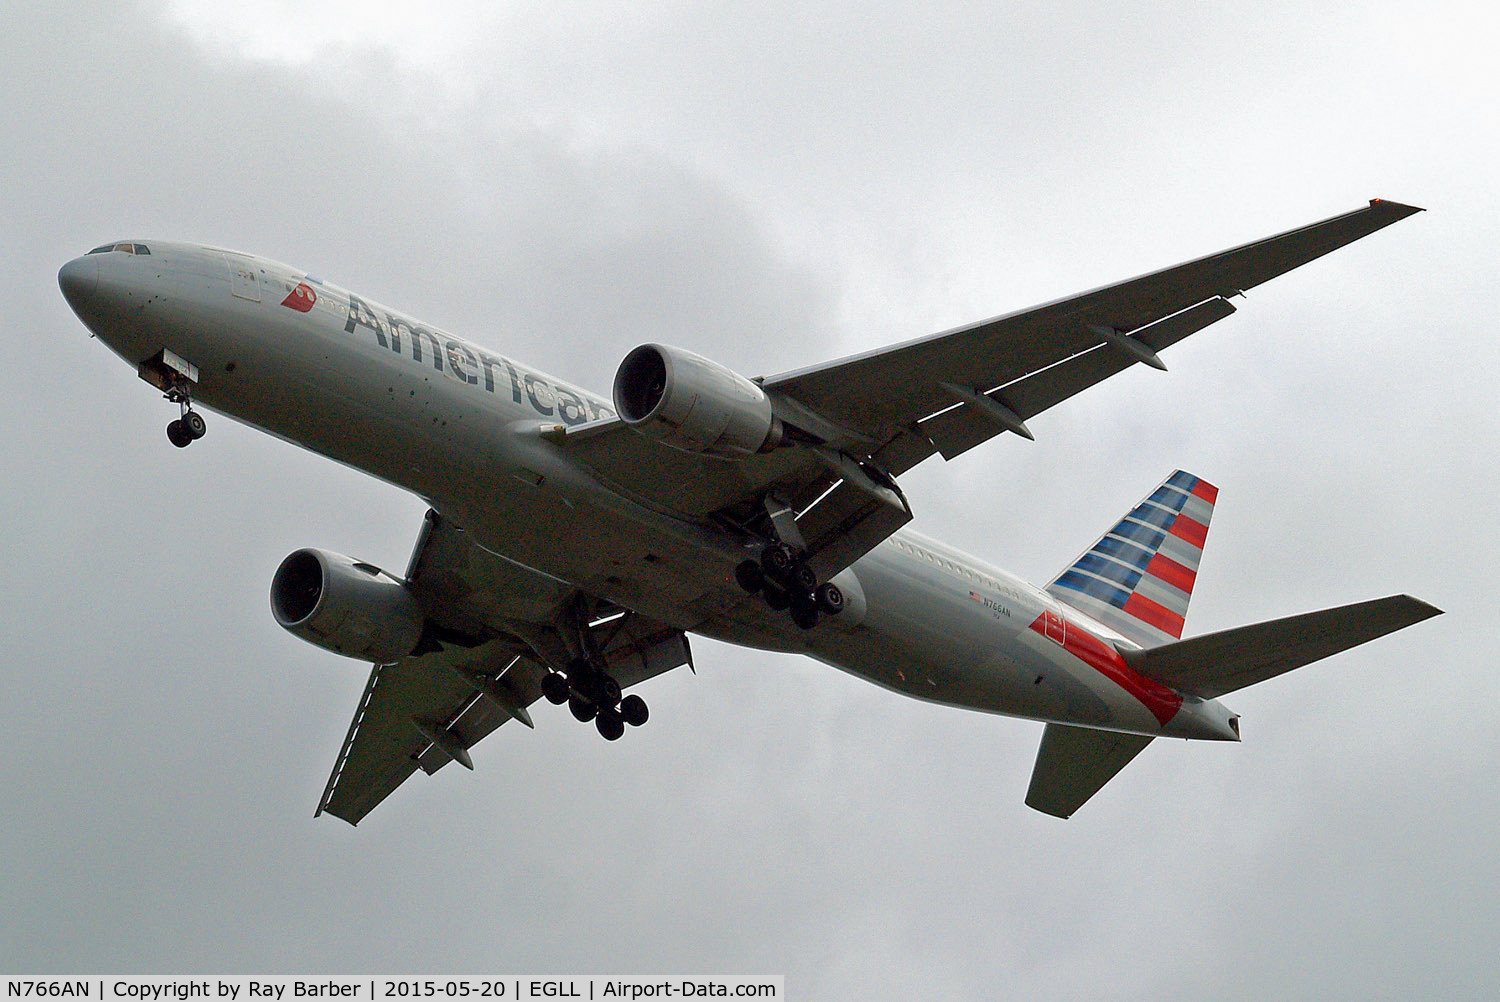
{"points": [[593, 694], [786, 582]]}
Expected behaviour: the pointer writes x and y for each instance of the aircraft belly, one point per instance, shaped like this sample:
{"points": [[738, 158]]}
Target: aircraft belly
{"points": [[926, 637], [922, 635], [925, 634], [413, 427]]}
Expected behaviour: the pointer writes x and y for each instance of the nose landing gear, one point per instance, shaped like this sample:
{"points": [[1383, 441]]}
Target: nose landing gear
{"points": [[187, 429], [175, 377]]}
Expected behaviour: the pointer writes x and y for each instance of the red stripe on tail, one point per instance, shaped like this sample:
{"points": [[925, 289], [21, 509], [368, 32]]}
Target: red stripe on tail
{"points": [[1190, 529], [1172, 573], [1152, 614]]}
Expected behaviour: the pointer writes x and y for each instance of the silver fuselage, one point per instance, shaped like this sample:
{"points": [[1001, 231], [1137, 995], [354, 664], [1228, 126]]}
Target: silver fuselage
{"points": [[465, 429]]}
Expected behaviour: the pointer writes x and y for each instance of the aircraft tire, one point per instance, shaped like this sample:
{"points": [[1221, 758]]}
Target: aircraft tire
{"points": [[805, 615], [830, 598], [749, 576], [194, 425], [776, 598], [555, 688], [633, 710], [178, 435], [776, 561], [802, 577], [583, 710], [608, 689], [610, 725]]}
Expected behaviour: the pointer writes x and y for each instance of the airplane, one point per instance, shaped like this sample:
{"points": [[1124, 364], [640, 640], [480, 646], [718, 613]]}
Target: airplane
{"points": [[573, 542]]}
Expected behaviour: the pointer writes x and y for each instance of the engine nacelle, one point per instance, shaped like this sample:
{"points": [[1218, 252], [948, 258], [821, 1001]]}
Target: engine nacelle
{"points": [[693, 404], [346, 606]]}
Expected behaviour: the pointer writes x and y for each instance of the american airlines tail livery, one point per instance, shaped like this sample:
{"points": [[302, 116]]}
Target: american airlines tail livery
{"points": [[574, 541]]}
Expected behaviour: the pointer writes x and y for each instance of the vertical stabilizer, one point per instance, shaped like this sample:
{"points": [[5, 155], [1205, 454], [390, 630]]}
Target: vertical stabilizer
{"points": [[1138, 578]]}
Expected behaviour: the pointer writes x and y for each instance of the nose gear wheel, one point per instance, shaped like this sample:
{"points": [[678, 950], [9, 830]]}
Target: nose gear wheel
{"points": [[190, 426]]}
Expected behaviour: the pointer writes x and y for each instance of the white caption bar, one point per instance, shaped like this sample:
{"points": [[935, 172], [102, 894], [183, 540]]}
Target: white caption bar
{"points": [[289, 988]]}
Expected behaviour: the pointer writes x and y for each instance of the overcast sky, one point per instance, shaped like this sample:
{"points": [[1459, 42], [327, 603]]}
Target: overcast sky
{"points": [[771, 186]]}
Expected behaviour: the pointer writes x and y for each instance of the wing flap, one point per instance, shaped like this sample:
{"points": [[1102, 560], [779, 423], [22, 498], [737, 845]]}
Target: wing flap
{"points": [[1073, 763], [959, 429], [691, 484], [384, 745], [1218, 663], [879, 393], [423, 711]]}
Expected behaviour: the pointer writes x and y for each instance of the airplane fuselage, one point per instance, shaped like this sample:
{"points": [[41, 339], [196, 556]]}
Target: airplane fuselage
{"points": [[473, 433]]}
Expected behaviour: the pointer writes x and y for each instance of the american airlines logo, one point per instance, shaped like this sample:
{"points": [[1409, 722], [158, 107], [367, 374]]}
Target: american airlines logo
{"points": [[301, 299], [469, 364]]}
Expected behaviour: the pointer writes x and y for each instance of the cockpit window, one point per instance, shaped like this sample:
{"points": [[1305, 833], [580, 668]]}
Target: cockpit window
{"points": [[124, 248]]}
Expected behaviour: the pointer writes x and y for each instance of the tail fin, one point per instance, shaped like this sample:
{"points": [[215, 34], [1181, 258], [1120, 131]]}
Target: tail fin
{"points": [[1139, 576]]}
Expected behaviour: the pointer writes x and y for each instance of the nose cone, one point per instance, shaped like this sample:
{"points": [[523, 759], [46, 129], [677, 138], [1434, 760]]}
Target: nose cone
{"points": [[79, 279]]}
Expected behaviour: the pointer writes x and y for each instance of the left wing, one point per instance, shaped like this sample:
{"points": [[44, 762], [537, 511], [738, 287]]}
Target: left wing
{"points": [[489, 617], [865, 419], [421, 713], [997, 373]]}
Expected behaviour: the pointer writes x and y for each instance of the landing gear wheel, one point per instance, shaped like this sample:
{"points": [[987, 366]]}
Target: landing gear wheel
{"points": [[830, 598], [749, 576], [610, 725], [802, 577], [583, 710], [555, 688], [608, 689], [776, 598], [633, 710], [776, 561], [192, 423], [805, 615], [178, 435]]}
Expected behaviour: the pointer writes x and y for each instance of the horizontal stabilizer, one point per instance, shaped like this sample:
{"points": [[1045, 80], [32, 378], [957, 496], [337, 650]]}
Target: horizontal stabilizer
{"points": [[1219, 663], [1074, 762]]}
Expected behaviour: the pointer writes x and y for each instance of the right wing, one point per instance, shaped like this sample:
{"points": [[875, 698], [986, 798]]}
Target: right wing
{"points": [[491, 617], [411, 709]]}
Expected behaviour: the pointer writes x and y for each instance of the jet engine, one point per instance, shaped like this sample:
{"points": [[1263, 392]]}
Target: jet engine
{"points": [[690, 403], [346, 606]]}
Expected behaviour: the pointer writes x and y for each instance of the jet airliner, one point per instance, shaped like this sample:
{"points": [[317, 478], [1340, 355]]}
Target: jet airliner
{"points": [[573, 542]]}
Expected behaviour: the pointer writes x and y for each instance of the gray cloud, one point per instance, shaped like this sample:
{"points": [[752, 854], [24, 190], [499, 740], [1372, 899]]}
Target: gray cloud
{"points": [[770, 190]]}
